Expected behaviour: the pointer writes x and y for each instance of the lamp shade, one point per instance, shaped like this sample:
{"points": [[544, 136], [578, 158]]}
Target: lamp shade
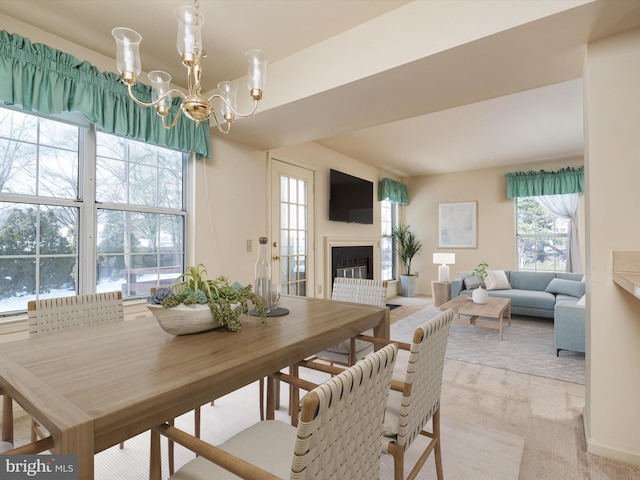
{"points": [[444, 258], [257, 74], [127, 50], [190, 22], [160, 84]]}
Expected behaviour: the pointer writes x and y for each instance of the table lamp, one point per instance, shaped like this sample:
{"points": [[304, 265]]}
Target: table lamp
{"points": [[444, 259]]}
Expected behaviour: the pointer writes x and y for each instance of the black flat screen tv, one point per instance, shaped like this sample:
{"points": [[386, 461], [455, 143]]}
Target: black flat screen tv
{"points": [[350, 199]]}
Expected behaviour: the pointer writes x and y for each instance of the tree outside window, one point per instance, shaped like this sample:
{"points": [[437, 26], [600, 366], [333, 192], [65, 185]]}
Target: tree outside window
{"points": [[71, 223], [541, 237], [389, 221]]}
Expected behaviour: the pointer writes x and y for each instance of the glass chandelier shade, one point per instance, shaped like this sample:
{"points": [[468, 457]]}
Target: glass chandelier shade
{"points": [[194, 105]]}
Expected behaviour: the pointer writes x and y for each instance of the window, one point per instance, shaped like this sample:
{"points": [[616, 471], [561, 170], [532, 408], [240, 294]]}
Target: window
{"points": [[389, 216], [62, 233], [541, 237]]}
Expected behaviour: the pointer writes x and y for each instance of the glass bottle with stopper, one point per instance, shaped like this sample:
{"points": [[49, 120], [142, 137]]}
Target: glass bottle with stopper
{"points": [[263, 274]]}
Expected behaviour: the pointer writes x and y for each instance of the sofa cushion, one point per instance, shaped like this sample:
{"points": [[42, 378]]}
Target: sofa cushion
{"points": [[527, 298], [497, 280], [530, 280], [566, 287]]}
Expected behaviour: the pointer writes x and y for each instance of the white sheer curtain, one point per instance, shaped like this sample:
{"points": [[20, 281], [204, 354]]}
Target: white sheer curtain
{"points": [[566, 206]]}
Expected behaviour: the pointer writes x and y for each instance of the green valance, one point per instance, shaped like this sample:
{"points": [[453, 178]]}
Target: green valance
{"points": [[392, 190], [531, 184], [42, 79]]}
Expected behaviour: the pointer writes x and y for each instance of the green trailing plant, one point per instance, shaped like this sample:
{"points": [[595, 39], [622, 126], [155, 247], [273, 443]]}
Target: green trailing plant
{"points": [[407, 245], [480, 271], [226, 300]]}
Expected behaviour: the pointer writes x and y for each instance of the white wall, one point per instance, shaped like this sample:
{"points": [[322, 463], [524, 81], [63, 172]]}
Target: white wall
{"points": [[321, 159], [229, 200], [612, 164]]}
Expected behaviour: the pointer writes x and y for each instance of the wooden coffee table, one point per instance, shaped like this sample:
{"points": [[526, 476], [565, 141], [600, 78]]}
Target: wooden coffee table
{"points": [[495, 307]]}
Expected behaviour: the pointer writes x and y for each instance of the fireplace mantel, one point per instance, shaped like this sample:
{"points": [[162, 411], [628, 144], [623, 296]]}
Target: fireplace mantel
{"points": [[330, 242]]}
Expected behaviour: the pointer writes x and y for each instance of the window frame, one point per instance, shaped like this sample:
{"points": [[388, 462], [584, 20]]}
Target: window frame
{"points": [[557, 267], [394, 211], [87, 249]]}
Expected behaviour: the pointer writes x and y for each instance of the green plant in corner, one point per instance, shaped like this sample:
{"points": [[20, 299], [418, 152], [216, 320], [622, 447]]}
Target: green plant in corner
{"points": [[480, 271], [407, 245], [225, 299]]}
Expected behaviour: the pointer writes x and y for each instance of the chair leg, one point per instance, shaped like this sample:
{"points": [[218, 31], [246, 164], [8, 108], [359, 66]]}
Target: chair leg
{"points": [[261, 383], [196, 427], [438, 448], [398, 461], [170, 450]]}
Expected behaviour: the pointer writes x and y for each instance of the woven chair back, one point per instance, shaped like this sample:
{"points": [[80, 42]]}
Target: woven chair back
{"points": [[54, 315], [359, 290], [424, 377], [341, 422]]}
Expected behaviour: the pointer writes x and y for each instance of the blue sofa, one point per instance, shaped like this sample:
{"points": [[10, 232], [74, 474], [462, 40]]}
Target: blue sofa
{"points": [[569, 327], [531, 293], [541, 294]]}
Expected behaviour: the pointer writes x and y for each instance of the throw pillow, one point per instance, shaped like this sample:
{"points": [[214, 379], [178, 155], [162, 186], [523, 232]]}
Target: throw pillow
{"points": [[471, 283], [573, 288], [497, 280], [583, 300]]}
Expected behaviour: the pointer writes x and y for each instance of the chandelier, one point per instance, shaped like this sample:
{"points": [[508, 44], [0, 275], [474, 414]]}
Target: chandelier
{"points": [[194, 105]]}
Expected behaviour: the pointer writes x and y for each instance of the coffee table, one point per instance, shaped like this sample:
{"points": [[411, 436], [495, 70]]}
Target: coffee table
{"points": [[495, 307]]}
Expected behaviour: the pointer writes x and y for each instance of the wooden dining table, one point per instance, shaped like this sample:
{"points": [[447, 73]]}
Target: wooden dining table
{"points": [[95, 387]]}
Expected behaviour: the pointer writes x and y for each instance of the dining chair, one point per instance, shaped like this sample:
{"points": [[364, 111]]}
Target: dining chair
{"points": [[347, 352], [338, 436], [355, 290], [414, 401], [55, 315], [6, 438], [32, 448]]}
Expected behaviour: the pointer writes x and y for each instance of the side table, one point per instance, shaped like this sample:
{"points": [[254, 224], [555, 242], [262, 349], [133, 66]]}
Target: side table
{"points": [[441, 292]]}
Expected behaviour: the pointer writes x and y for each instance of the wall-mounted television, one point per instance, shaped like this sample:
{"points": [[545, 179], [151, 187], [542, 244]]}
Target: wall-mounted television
{"points": [[350, 199]]}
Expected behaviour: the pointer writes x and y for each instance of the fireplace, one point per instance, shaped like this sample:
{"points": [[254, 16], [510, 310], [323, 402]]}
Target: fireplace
{"points": [[352, 262], [350, 258]]}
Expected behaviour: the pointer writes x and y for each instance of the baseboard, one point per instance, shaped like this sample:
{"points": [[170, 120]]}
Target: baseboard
{"points": [[605, 450]]}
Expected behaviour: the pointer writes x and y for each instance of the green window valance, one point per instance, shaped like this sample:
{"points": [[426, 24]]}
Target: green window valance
{"points": [[392, 190], [530, 184], [42, 79]]}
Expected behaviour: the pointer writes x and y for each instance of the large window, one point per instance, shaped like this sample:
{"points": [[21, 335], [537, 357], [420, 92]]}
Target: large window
{"points": [[541, 237], [83, 211], [389, 220]]}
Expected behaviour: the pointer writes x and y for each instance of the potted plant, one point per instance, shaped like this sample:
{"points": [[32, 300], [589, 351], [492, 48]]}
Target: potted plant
{"points": [[407, 246], [194, 304], [480, 295]]}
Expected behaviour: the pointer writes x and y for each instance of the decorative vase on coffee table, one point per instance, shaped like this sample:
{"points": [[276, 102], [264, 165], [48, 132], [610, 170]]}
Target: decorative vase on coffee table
{"points": [[480, 296]]}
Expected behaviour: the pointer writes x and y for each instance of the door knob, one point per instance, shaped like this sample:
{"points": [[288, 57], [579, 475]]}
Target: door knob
{"points": [[276, 257]]}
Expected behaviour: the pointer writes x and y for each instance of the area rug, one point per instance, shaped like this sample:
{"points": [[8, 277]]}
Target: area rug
{"points": [[528, 346], [470, 451]]}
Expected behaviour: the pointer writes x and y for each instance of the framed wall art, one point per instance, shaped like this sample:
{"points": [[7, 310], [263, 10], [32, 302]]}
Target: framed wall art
{"points": [[457, 225]]}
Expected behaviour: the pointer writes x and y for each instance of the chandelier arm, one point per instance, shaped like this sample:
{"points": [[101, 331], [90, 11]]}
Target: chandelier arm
{"points": [[156, 102], [175, 120], [235, 112], [220, 129]]}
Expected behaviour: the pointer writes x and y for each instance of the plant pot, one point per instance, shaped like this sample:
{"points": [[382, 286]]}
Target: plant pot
{"points": [[408, 285], [184, 319], [480, 296]]}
